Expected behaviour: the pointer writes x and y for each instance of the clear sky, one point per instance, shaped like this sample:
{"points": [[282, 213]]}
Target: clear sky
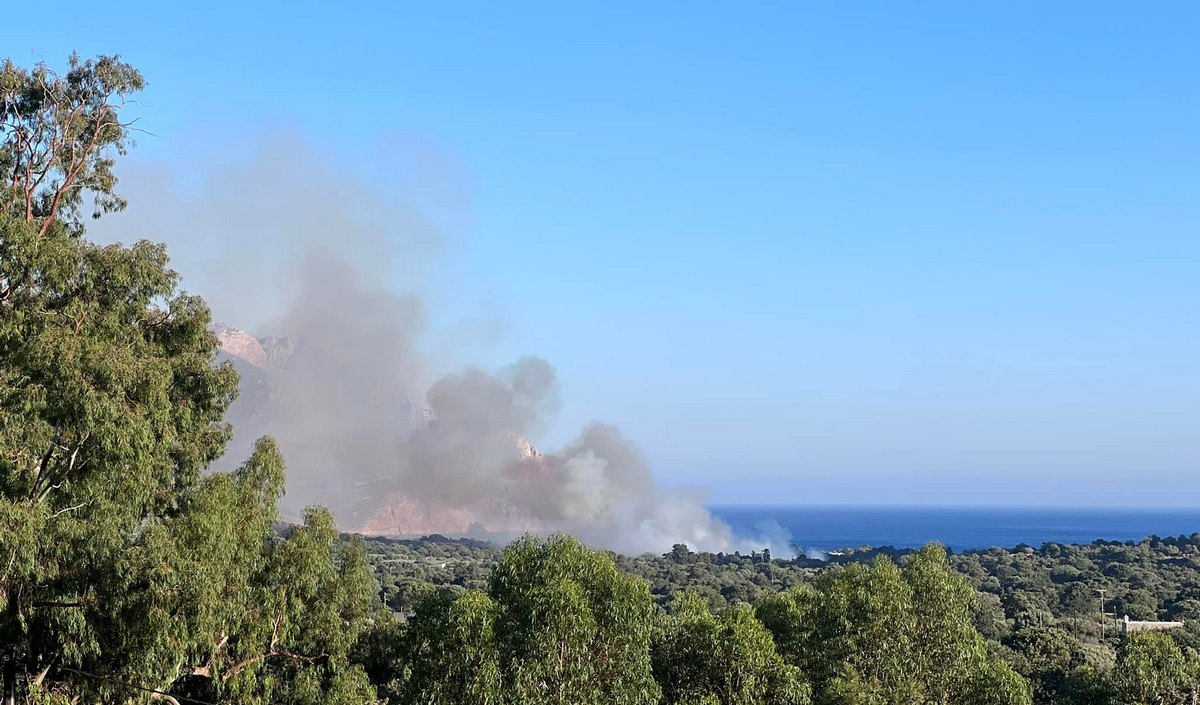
{"points": [[800, 252]]}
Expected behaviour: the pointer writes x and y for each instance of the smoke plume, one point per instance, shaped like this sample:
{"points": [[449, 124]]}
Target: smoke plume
{"points": [[324, 266]]}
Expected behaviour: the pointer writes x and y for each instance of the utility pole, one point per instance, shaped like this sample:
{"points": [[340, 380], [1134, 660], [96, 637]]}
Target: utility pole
{"points": [[1102, 614]]}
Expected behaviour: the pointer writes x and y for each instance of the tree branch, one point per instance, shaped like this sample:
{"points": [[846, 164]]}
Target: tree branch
{"points": [[81, 505], [65, 605], [70, 176]]}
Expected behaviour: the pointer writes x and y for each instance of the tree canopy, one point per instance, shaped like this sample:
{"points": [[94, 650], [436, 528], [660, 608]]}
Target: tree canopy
{"points": [[890, 635], [558, 624], [728, 659], [123, 568]]}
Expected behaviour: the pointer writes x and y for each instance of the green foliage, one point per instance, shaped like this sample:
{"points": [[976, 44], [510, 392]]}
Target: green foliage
{"points": [[788, 616], [1046, 655], [1036, 608], [1057, 585], [558, 624], [452, 650], [730, 659], [722, 579], [407, 568], [1087, 686], [305, 613], [60, 133], [886, 635], [572, 628], [1151, 668], [122, 566]]}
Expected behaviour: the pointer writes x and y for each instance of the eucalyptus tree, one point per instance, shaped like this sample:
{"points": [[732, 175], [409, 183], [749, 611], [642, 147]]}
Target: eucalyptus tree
{"points": [[1151, 669], [450, 651], [558, 625], [571, 628], [883, 634], [125, 571], [725, 660]]}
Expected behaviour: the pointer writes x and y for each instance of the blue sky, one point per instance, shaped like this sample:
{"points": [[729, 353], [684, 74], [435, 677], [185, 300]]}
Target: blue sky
{"points": [[799, 252]]}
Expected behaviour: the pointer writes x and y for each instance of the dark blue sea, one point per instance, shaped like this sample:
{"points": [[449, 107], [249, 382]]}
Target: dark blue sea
{"points": [[829, 528]]}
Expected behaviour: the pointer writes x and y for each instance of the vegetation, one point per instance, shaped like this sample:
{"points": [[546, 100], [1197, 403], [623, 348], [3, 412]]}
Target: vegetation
{"points": [[131, 573], [123, 569], [731, 658], [886, 625]]}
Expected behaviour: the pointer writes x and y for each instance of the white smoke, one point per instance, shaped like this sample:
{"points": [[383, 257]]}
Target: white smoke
{"points": [[282, 243]]}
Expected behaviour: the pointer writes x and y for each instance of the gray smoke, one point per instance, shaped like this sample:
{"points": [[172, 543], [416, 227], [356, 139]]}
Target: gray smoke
{"points": [[282, 243]]}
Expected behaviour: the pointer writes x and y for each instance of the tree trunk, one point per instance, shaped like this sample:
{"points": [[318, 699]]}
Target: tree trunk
{"points": [[10, 678]]}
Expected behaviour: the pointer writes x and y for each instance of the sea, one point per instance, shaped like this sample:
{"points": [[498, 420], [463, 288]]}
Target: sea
{"points": [[816, 529]]}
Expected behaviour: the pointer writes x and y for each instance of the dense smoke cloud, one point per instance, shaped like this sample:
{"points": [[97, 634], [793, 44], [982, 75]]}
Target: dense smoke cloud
{"points": [[283, 245]]}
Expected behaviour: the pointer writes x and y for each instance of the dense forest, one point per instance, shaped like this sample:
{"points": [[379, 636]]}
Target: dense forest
{"points": [[132, 573], [1038, 609]]}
